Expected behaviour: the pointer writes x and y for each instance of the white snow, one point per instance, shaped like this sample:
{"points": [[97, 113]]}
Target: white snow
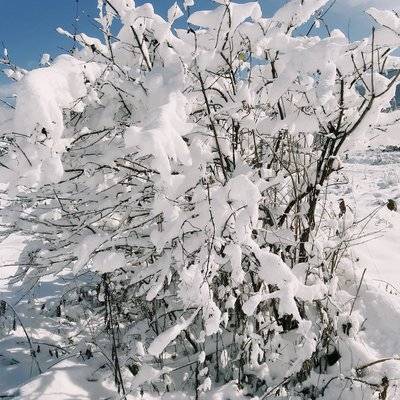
{"points": [[158, 345], [108, 261], [174, 13], [164, 181]]}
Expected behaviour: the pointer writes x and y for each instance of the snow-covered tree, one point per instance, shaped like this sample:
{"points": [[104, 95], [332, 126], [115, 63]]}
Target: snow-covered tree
{"points": [[180, 176]]}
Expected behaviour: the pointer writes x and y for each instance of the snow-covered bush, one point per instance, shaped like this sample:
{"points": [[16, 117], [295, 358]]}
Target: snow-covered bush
{"points": [[180, 175]]}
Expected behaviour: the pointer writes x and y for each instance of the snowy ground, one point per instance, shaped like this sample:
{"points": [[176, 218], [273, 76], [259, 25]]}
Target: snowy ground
{"points": [[374, 178], [65, 376]]}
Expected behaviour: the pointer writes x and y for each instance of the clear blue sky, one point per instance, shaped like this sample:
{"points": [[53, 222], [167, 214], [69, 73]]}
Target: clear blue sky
{"points": [[27, 27]]}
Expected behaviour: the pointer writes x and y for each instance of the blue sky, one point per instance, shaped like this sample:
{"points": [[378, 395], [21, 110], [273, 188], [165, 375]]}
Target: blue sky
{"points": [[27, 27]]}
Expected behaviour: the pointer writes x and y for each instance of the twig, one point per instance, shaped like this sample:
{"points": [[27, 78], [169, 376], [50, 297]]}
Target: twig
{"points": [[358, 290]]}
